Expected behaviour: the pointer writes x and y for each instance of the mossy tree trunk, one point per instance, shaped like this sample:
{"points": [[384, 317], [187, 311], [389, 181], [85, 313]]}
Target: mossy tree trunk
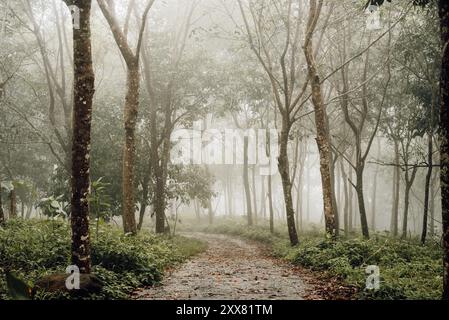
{"points": [[84, 84]]}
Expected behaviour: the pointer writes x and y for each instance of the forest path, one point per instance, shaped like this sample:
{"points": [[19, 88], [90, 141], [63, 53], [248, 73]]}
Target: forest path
{"points": [[231, 268]]}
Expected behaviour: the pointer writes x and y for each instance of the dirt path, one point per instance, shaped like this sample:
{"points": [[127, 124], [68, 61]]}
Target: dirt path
{"points": [[230, 268]]}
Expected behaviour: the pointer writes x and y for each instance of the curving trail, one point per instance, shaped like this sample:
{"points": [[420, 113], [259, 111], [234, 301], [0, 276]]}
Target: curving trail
{"points": [[230, 268]]}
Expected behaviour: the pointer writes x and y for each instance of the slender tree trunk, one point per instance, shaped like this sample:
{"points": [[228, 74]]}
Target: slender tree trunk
{"points": [[361, 202], [334, 196], [350, 201], [129, 149], [396, 191], [263, 197], [270, 203], [323, 144], [406, 211], [427, 189], [2, 213], [249, 212], [432, 207], [429, 171], [408, 186], [283, 165], [143, 202], [444, 138], [346, 198], [253, 176], [308, 195], [373, 202], [210, 212], [84, 80], [230, 197], [12, 204], [22, 210], [197, 209]]}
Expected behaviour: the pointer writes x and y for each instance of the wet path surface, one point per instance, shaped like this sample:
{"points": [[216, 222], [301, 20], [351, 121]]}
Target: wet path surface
{"points": [[230, 268]]}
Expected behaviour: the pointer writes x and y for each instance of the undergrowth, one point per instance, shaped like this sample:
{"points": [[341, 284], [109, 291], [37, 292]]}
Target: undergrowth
{"points": [[32, 249]]}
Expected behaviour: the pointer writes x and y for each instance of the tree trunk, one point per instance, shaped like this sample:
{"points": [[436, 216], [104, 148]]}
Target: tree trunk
{"points": [[350, 201], [210, 212], [323, 144], [12, 204], [427, 188], [131, 110], [283, 166], [84, 80], [249, 213], [429, 170], [444, 139], [334, 196], [197, 209], [396, 189], [408, 186], [432, 206], [263, 197], [373, 202], [323, 138], [253, 176], [346, 199], [2, 213], [143, 202], [361, 202], [406, 210], [270, 203]]}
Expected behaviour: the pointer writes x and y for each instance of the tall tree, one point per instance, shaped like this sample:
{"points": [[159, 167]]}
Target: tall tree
{"points": [[131, 107], [83, 92], [323, 138]]}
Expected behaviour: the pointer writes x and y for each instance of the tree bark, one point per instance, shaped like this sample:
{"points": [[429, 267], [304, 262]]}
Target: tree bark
{"points": [[131, 110], [429, 171], [443, 7], [361, 202], [396, 191], [131, 107], [253, 180], [12, 204], [283, 166], [143, 201], [84, 81], [249, 213], [270, 203], [346, 199], [2, 213], [409, 179], [323, 138]]}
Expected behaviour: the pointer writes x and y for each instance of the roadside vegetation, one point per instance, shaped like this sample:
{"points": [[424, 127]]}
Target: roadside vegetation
{"points": [[33, 249]]}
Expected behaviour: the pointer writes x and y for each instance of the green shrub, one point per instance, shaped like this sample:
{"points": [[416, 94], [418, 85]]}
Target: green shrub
{"points": [[36, 248]]}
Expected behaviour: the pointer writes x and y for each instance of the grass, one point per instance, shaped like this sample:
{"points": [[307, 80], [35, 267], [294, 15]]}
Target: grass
{"points": [[408, 270], [36, 248]]}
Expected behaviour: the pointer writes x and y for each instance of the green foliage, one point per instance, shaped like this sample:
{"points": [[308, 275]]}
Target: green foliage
{"points": [[53, 207], [35, 248]]}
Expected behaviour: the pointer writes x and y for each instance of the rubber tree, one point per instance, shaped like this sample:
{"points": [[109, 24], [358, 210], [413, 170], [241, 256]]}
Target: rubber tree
{"points": [[131, 108]]}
